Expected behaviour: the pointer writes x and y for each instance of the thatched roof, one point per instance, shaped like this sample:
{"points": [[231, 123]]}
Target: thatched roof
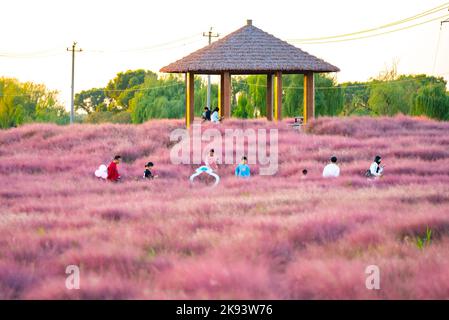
{"points": [[249, 50]]}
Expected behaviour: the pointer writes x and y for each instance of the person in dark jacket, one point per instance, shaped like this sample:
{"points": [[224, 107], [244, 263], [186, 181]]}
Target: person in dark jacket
{"points": [[147, 174], [206, 114]]}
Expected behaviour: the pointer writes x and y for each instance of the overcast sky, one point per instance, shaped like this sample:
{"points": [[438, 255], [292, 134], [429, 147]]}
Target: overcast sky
{"points": [[122, 35]]}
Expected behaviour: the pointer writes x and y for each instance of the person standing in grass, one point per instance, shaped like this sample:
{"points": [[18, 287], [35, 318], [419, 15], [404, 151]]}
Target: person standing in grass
{"points": [[113, 174], [331, 170], [242, 169], [211, 160]]}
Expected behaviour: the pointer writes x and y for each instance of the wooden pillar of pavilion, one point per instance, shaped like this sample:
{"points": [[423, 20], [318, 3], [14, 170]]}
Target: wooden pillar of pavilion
{"points": [[221, 96], [225, 109], [269, 97], [278, 96], [190, 98], [309, 97]]}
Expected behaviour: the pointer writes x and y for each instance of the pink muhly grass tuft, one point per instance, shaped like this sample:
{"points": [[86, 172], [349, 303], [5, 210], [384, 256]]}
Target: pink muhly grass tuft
{"points": [[210, 278]]}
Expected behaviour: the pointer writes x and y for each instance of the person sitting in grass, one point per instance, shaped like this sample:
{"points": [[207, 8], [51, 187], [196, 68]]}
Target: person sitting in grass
{"points": [[113, 174], [211, 160], [215, 117], [331, 170], [147, 174], [242, 169], [206, 114], [375, 170]]}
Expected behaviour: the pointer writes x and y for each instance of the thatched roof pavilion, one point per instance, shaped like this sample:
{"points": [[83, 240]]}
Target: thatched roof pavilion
{"points": [[250, 50]]}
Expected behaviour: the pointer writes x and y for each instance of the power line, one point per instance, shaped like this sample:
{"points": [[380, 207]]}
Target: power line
{"points": [[438, 44], [436, 52], [99, 51], [151, 47], [103, 90], [388, 25], [55, 51], [338, 86], [156, 46], [379, 34], [139, 89], [40, 53], [443, 22], [31, 56], [147, 51], [316, 40]]}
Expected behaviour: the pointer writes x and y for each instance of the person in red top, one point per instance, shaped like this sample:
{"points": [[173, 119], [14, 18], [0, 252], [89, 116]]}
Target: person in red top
{"points": [[112, 169]]}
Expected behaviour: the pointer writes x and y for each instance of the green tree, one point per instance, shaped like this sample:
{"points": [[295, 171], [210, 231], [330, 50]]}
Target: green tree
{"points": [[355, 98], [432, 101], [244, 109], [293, 100], [257, 94], [388, 98], [239, 85], [11, 103], [201, 96], [124, 86], [91, 100], [164, 98], [42, 105], [329, 99], [28, 102]]}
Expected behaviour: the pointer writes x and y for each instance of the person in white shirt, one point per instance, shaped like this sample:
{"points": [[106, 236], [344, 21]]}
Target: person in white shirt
{"points": [[331, 170], [211, 160], [215, 117], [376, 170]]}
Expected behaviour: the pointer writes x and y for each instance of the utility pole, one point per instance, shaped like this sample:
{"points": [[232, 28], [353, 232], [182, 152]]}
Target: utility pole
{"points": [[445, 21], [72, 104], [438, 45], [210, 35]]}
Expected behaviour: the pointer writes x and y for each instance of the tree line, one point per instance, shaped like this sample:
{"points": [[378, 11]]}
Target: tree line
{"points": [[136, 96], [28, 102], [139, 95]]}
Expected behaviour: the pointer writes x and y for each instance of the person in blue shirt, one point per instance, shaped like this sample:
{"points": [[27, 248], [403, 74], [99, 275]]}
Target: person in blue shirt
{"points": [[242, 169]]}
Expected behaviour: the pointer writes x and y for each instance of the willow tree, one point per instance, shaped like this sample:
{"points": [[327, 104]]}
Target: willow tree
{"points": [[257, 93], [432, 101]]}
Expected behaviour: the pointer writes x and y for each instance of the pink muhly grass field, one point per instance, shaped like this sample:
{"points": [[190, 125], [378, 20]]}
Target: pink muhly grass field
{"points": [[271, 237]]}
